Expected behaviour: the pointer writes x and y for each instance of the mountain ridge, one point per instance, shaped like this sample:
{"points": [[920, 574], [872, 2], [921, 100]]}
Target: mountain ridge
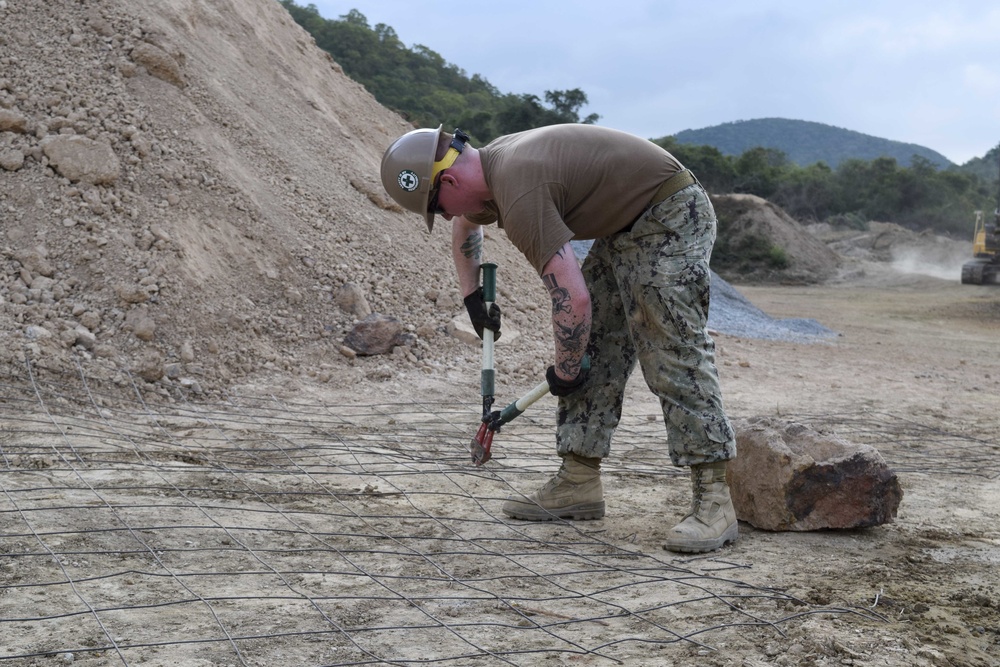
{"points": [[807, 142]]}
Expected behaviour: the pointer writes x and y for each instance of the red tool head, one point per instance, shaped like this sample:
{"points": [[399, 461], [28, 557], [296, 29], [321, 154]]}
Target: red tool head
{"points": [[481, 444]]}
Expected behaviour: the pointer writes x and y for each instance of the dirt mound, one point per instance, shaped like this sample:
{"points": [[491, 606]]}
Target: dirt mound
{"points": [[185, 187], [759, 242]]}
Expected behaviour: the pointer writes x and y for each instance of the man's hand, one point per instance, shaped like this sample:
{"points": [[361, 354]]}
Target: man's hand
{"points": [[481, 319], [560, 387]]}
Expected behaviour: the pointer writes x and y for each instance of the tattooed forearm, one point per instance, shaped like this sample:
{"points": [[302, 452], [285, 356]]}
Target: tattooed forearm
{"points": [[473, 246], [573, 339], [560, 296]]}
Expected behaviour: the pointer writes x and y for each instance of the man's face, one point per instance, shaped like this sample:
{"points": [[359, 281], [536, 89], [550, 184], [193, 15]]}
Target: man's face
{"points": [[453, 199]]}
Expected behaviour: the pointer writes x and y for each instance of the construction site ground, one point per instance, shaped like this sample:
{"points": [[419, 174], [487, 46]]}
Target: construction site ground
{"points": [[195, 471], [314, 523]]}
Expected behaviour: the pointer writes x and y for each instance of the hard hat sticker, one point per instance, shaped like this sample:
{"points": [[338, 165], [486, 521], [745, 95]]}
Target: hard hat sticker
{"points": [[408, 180]]}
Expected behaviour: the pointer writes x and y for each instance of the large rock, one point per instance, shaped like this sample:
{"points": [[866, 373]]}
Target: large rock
{"points": [[376, 334], [158, 63], [81, 159], [461, 328], [787, 476]]}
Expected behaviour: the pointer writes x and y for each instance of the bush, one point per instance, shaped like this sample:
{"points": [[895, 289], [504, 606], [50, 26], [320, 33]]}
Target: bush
{"points": [[777, 257]]}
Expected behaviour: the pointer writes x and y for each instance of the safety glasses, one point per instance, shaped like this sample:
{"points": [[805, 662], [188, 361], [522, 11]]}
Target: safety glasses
{"points": [[432, 203]]}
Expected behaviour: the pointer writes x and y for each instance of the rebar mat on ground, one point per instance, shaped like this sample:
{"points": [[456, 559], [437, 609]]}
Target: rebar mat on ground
{"points": [[254, 529]]}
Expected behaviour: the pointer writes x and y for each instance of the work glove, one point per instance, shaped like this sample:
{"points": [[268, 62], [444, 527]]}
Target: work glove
{"points": [[476, 305], [560, 387]]}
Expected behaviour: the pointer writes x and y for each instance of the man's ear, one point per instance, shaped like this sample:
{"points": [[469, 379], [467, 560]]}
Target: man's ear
{"points": [[449, 178]]}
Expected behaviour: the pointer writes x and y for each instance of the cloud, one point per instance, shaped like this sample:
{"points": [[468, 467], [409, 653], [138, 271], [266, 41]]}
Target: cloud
{"points": [[980, 79]]}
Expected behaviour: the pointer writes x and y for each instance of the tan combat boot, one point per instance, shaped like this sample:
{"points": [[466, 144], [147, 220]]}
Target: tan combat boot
{"points": [[574, 493], [711, 522]]}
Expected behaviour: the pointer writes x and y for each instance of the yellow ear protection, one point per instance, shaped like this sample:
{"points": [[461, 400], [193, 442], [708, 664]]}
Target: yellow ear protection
{"points": [[454, 150]]}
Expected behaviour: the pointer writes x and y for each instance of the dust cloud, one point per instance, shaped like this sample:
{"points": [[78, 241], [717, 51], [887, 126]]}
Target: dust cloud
{"points": [[933, 262]]}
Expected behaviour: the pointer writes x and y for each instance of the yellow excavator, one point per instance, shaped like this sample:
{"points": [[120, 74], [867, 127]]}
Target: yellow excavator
{"points": [[984, 268]]}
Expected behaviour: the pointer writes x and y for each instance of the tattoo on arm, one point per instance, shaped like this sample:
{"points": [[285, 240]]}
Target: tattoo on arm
{"points": [[473, 246], [571, 336], [560, 295], [573, 339]]}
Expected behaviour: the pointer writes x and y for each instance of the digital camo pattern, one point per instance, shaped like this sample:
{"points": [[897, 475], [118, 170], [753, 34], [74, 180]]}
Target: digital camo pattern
{"points": [[649, 292]]}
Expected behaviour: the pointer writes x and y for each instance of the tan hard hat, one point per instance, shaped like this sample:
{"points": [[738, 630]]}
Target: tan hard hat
{"points": [[409, 168], [408, 171]]}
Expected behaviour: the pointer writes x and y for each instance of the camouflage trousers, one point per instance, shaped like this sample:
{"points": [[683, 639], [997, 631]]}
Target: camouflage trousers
{"points": [[649, 290]]}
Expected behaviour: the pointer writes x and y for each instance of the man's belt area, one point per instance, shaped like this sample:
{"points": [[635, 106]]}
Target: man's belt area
{"points": [[672, 186], [669, 188]]}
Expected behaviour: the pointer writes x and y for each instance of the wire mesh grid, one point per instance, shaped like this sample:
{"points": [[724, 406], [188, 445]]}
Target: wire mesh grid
{"points": [[254, 530]]}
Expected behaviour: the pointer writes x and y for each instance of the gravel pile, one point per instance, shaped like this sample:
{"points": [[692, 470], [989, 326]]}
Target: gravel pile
{"points": [[732, 313]]}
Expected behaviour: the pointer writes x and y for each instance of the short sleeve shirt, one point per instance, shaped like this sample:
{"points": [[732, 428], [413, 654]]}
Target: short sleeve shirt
{"points": [[569, 182]]}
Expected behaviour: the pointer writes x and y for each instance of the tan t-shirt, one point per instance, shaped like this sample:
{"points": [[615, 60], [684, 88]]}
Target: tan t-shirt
{"points": [[569, 182]]}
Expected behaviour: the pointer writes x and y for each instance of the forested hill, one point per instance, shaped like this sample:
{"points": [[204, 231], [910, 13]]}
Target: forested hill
{"points": [[813, 171], [805, 142]]}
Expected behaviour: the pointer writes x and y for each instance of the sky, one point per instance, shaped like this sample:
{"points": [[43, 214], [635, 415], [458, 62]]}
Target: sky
{"points": [[915, 71]]}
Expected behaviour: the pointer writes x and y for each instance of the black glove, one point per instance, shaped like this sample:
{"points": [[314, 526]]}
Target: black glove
{"points": [[560, 387], [476, 305]]}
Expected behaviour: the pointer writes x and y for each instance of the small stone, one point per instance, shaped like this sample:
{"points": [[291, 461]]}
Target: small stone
{"points": [[145, 329], [11, 159], [13, 121], [351, 299], [84, 337], [34, 332]]}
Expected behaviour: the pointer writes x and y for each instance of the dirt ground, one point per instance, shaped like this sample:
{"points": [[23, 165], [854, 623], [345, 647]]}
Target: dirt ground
{"points": [[225, 518]]}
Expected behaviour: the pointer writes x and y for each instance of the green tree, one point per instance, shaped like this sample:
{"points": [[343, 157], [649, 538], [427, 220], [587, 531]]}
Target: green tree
{"points": [[807, 194], [759, 170], [425, 89], [715, 171]]}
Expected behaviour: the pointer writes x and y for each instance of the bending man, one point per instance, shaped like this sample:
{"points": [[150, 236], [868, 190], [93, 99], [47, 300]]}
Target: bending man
{"points": [[641, 295]]}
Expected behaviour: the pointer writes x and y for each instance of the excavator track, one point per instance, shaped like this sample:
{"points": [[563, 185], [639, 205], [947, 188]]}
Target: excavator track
{"points": [[979, 273]]}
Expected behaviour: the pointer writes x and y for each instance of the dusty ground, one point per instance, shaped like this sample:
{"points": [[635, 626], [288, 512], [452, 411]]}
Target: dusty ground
{"points": [[223, 506], [194, 473]]}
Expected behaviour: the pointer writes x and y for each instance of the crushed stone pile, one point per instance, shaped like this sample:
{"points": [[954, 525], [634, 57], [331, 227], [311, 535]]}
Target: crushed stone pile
{"points": [[732, 313]]}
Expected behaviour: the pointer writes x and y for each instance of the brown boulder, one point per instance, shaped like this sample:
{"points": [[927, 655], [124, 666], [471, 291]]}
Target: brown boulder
{"points": [[376, 334], [787, 476]]}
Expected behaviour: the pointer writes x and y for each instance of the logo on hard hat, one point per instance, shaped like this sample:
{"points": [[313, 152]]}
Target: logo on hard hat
{"points": [[408, 180]]}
